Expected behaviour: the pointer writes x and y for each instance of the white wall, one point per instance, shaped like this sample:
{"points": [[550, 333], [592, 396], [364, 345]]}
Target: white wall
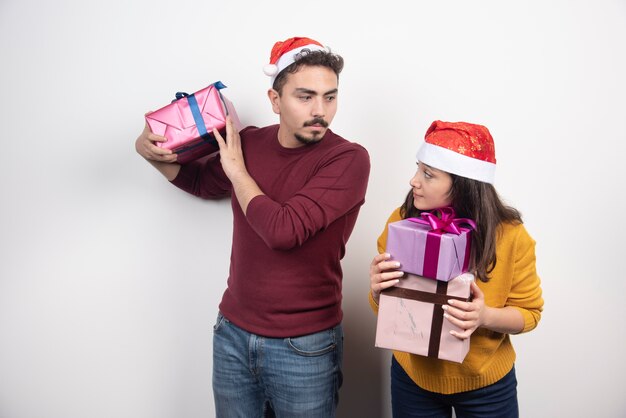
{"points": [[110, 277]]}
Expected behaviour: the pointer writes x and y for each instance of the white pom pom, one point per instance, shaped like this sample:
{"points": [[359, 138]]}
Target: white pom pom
{"points": [[270, 70]]}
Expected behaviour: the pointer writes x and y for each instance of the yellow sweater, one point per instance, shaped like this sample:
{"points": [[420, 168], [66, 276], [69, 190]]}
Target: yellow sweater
{"points": [[514, 282]]}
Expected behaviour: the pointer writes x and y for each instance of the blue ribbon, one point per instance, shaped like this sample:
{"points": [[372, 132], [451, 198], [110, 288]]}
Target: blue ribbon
{"points": [[195, 109], [197, 116]]}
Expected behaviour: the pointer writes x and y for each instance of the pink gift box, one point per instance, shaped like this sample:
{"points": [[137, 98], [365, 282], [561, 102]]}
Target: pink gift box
{"points": [[188, 121], [426, 251], [410, 317]]}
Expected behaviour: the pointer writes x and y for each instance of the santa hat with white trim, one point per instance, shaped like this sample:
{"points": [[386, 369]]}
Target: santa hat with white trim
{"points": [[460, 148], [285, 53]]}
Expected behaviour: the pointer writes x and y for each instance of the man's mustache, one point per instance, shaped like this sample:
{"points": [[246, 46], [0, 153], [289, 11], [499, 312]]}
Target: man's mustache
{"points": [[316, 121]]}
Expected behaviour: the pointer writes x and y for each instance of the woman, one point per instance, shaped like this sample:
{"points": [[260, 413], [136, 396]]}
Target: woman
{"points": [[456, 167]]}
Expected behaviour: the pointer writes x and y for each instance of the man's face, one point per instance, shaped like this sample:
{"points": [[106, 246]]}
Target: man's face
{"points": [[307, 105]]}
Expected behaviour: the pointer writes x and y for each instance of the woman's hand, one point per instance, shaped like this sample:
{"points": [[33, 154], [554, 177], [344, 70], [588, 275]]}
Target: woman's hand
{"points": [[466, 315], [383, 274], [469, 316]]}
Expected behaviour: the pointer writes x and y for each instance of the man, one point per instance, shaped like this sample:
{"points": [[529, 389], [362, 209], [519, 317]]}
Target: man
{"points": [[296, 190]]}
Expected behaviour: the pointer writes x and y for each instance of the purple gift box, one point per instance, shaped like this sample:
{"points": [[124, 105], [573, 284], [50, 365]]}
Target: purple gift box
{"points": [[431, 246], [410, 317]]}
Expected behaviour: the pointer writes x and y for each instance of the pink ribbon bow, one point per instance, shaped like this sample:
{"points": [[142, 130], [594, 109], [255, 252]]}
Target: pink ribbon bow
{"points": [[445, 222]]}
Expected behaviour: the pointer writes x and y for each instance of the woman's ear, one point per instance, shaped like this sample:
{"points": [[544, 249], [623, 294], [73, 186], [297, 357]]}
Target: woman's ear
{"points": [[274, 100]]}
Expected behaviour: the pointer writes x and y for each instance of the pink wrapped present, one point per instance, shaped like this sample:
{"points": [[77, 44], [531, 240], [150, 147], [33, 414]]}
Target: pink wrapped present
{"points": [[431, 246], [188, 121], [410, 317]]}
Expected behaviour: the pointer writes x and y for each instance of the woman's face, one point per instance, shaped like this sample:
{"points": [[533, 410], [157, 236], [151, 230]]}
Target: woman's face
{"points": [[431, 188]]}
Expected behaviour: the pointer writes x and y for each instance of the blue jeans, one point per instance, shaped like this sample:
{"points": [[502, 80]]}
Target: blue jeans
{"points": [[498, 400], [255, 376]]}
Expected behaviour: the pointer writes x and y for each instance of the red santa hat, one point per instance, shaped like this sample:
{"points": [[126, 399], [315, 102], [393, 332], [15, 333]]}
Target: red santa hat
{"points": [[460, 148], [284, 54]]}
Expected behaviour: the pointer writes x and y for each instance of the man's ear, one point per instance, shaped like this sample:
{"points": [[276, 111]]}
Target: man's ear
{"points": [[274, 100]]}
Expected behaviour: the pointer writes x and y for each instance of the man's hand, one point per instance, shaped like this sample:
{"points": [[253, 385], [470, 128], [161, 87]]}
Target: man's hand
{"points": [[147, 148], [231, 156], [162, 159]]}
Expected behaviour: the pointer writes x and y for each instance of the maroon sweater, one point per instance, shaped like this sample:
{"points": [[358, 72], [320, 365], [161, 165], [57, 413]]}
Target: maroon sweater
{"points": [[285, 272]]}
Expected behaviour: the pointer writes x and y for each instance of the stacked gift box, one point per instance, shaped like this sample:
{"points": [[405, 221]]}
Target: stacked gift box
{"points": [[433, 251]]}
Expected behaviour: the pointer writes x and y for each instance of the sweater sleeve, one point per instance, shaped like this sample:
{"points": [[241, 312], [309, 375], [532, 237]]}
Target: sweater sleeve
{"points": [[337, 188], [204, 178], [381, 244], [525, 294]]}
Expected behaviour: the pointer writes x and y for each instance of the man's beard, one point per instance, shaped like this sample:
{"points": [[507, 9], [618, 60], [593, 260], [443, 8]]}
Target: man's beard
{"points": [[308, 141], [316, 137]]}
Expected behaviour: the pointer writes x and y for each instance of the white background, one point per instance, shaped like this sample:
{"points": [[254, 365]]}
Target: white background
{"points": [[110, 277]]}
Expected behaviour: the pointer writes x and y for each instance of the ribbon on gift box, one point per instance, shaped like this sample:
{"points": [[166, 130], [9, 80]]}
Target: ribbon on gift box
{"points": [[195, 110], [438, 299], [446, 222]]}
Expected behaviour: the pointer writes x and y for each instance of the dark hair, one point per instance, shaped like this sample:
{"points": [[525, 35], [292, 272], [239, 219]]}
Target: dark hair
{"points": [[480, 202], [309, 58]]}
